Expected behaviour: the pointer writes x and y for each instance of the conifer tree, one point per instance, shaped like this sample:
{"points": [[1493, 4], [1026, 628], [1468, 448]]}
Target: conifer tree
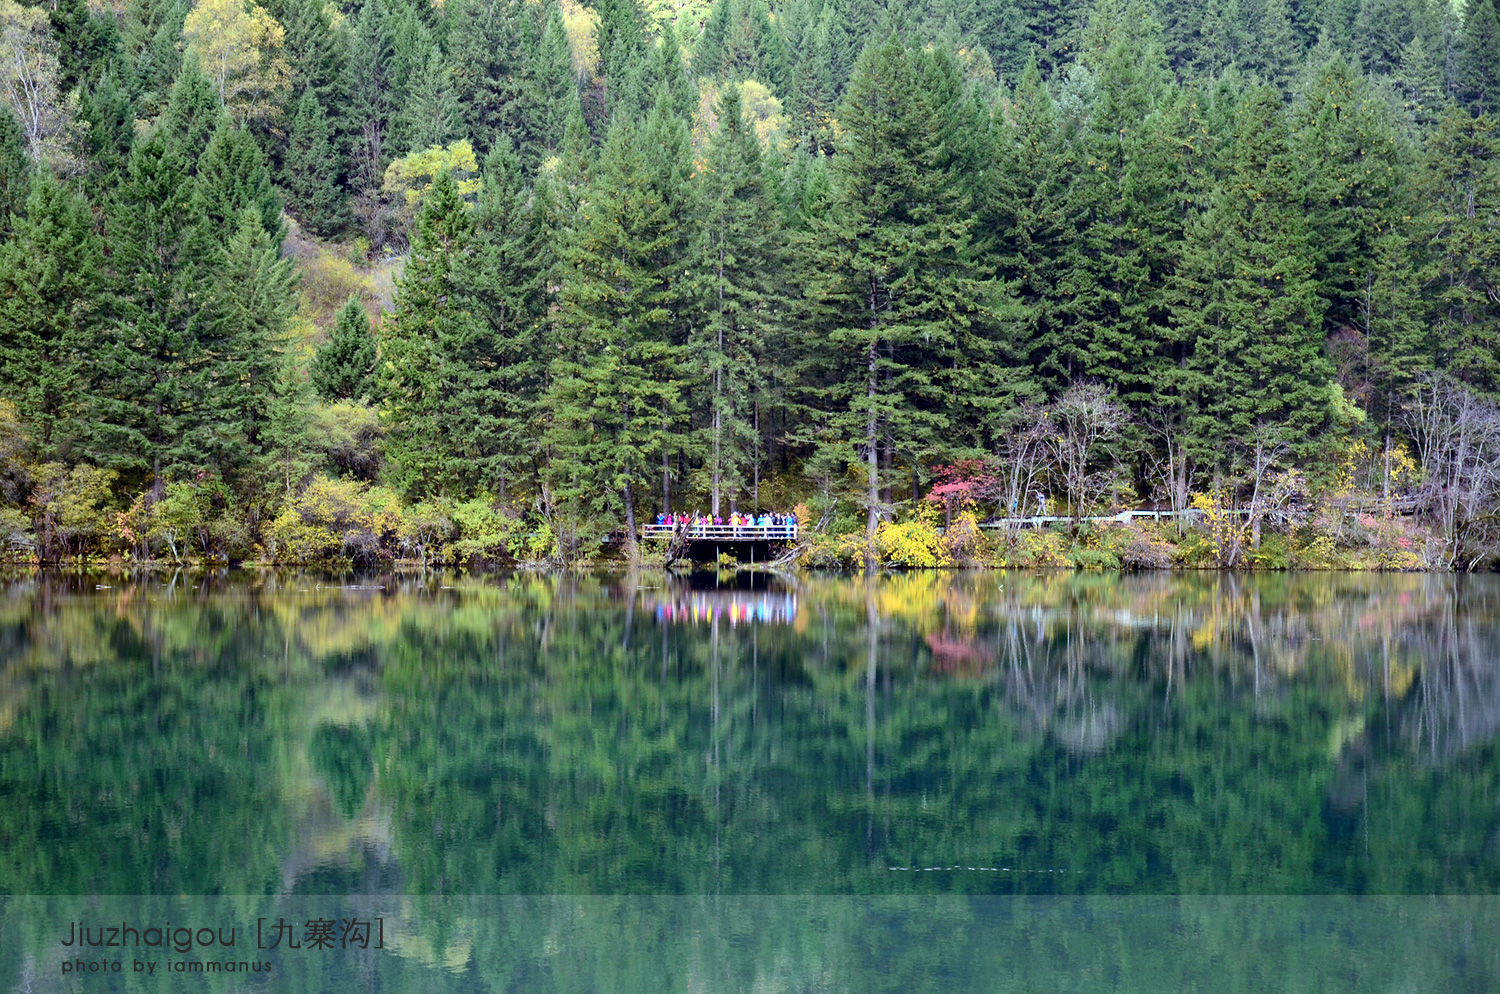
{"points": [[412, 44], [150, 394], [556, 84], [614, 393], [1477, 73], [506, 279], [369, 97], [1252, 308], [285, 460], [311, 176], [315, 51], [231, 177], [191, 116], [490, 43], [621, 45], [343, 368], [1460, 194], [1108, 298], [665, 69], [84, 43], [736, 255], [150, 42], [1277, 55], [708, 54], [15, 169], [430, 116], [49, 289], [890, 280], [811, 88], [1021, 213], [1395, 327], [423, 351], [1351, 169], [110, 114], [254, 298]]}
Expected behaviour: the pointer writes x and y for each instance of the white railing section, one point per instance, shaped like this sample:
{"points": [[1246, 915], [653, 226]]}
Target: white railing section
{"points": [[727, 533]]}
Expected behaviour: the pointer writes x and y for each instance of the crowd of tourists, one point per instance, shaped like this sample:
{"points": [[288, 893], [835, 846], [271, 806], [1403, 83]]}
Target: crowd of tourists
{"points": [[734, 520]]}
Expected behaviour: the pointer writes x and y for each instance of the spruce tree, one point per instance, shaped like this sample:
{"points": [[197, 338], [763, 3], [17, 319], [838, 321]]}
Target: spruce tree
{"points": [[1477, 73], [555, 82], [614, 394], [736, 255], [1278, 51], [431, 323], [708, 54], [430, 116], [1351, 175], [343, 368], [111, 115], [15, 169], [811, 89], [286, 458], [49, 300], [1108, 299], [459, 356], [315, 51], [369, 97], [231, 177], [506, 280], [191, 116], [150, 40], [890, 282], [1251, 303], [665, 69], [254, 297], [1020, 211], [311, 177], [621, 46], [489, 45], [84, 43], [1459, 189], [150, 395]]}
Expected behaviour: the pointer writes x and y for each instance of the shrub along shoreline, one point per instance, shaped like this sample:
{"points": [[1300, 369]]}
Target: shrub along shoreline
{"points": [[342, 523]]}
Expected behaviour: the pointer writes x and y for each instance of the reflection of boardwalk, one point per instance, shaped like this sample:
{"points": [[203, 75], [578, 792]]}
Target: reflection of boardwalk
{"points": [[737, 607]]}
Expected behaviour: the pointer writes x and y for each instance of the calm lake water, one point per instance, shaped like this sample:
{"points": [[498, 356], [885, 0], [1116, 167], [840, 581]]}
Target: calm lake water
{"points": [[929, 781]]}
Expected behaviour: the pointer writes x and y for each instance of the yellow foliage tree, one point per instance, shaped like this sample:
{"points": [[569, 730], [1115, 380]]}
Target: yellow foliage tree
{"points": [[240, 49], [411, 176], [29, 84]]}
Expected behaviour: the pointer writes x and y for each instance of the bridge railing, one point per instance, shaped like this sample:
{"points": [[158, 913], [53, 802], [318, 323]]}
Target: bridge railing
{"points": [[727, 533]]}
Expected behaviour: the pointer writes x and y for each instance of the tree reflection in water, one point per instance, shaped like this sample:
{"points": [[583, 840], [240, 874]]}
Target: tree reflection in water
{"points": [[543, 734]]}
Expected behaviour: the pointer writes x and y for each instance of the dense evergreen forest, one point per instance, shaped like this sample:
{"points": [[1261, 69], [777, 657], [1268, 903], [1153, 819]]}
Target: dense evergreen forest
{"points": [[886, 260]]}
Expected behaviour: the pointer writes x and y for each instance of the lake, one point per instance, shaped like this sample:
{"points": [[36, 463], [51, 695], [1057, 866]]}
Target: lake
{"points": [[922, 781]]}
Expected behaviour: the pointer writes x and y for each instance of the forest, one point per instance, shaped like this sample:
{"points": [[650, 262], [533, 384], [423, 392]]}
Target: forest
{"points": [[490, 281]]}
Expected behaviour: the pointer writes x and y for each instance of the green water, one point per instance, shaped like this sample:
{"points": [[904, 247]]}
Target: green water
{"points": [[719, 775]]}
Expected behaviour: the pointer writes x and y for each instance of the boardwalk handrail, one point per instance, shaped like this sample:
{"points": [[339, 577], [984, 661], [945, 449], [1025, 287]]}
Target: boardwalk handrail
{"points": [[727, 533], [1034, 520]]}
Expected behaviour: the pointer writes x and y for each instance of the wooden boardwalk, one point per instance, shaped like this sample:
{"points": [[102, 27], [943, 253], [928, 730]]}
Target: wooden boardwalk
{"points": [[1396, 505], [1039, 520], [726, 533]]}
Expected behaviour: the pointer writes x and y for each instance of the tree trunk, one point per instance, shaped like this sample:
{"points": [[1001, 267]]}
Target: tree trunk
{"points": [[666, 482], [872, 441], [630, 537]]}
